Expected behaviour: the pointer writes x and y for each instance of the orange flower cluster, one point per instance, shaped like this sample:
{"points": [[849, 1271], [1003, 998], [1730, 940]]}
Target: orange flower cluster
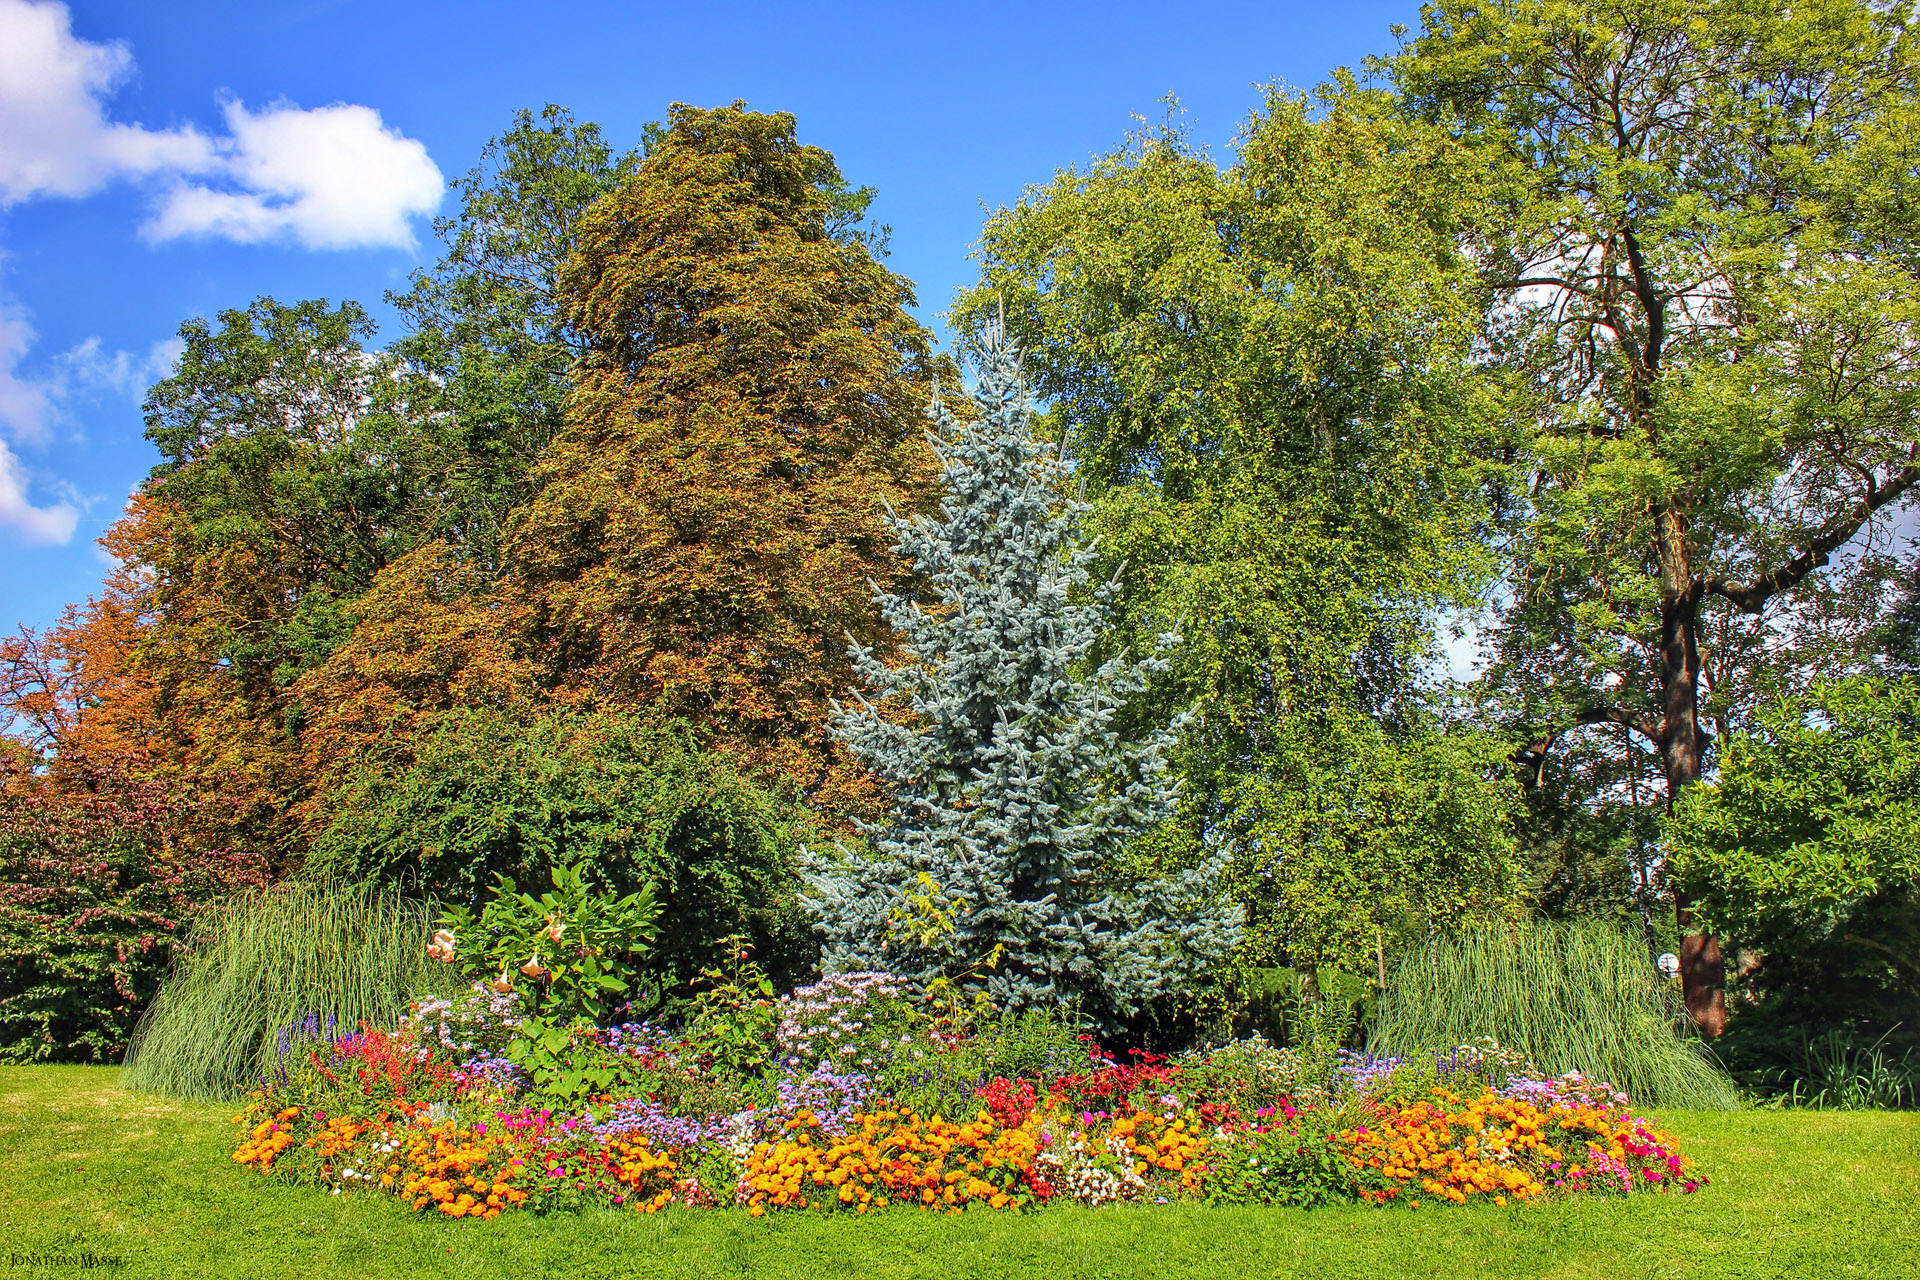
{"points": [[267, 1140], [458, 1172], [338, 1136], [461, 1172], [1160, 1144], [637, 1166], [1451, 1148], [893, 1156]]}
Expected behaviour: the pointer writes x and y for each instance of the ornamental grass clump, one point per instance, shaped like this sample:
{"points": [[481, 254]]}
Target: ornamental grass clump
{"points": [[1570, 996], [322, 956]]}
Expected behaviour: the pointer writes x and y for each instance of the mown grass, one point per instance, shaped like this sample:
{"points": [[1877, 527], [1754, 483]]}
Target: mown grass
{"points": [[88, 1168]]}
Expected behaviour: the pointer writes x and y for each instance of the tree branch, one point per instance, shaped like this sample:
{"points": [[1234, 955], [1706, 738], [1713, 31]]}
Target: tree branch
{"points": [[1535, 753], [1751, 596]]}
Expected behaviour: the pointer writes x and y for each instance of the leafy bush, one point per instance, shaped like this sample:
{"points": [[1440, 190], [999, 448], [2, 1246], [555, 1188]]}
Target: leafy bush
{"points": [[265, 961], [1297, 1162], [624, 800], [100, 869], [568, 953], [1804, 852], [1570, 996]]}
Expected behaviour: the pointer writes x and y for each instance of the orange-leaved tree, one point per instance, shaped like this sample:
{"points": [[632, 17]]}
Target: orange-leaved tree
{"points": [[427, 638], [751, 401]]}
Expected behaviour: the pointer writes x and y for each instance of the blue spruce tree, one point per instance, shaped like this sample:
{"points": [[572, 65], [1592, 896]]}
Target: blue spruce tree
{"points": [[1013, 792]]}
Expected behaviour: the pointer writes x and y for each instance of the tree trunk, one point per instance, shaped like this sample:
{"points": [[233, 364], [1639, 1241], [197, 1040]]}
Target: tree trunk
{"points": [[1703, 970]]}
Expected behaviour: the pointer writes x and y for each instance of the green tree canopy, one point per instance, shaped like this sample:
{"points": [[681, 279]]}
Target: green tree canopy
{"points": [[486, 319], [1704, 297], [1265, 376]]}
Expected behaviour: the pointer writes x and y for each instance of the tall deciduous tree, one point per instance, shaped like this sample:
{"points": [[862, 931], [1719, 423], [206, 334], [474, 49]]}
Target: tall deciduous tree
{"points": [[1013, 794], [1264, 376], [296, 465], [710, 514], [487, 320], [1706, 289]]}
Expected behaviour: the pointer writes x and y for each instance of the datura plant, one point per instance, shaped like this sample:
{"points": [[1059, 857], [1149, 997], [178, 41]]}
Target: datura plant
{"points": [[569, 953]]}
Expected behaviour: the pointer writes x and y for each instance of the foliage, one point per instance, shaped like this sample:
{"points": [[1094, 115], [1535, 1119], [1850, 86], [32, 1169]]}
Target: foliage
{"points": [[575, 949], [486, 320], [1012, 791], [621, 798], [1805, 848], [296, 465], [1571, 996], [1263, 374], [268, 961], [1836, 1073], [427, 645], [1354, 841], [709, 514], [1292, 1164], [101, 868], [732, 1017], [1702, 292]]}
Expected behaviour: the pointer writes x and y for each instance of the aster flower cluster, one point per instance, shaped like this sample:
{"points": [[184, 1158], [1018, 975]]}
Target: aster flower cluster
{"points": [[823, 1024]]}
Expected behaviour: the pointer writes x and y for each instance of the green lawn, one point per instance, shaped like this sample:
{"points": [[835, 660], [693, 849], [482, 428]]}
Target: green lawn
{"points": [[88, 1169]]}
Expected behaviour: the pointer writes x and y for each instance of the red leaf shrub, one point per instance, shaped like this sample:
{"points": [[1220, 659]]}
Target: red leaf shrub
{"points": [[101, 867]]}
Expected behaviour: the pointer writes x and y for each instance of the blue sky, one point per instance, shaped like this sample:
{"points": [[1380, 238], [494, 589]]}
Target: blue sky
{"points": [[160, 161]]}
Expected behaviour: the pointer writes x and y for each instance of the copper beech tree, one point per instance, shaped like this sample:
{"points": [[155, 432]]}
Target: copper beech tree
{"points": [[710, 514]]}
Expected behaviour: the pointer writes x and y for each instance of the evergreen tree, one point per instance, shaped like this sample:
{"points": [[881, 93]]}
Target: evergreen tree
{"points": [[1012, 789]]}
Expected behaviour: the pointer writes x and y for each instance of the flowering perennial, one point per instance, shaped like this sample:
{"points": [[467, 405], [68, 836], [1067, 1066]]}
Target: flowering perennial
{"points": [[435, 1114], [1452, 1148]]}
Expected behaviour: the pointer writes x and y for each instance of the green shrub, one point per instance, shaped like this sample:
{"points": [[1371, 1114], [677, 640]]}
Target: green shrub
{"points": [[1573, 996], [626, 801], [1802, 853], [268, 960]]}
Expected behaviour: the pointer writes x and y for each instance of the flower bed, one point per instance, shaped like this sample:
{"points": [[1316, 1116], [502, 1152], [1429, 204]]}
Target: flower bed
{"points": [[859, 1100]]}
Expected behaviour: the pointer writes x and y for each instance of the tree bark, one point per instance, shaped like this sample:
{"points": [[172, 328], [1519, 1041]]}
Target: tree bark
{"points": [[1703, 968]]}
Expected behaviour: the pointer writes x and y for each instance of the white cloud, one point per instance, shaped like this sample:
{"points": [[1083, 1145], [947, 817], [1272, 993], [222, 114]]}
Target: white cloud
{"points": [[32, 404], [54, 524], [87, 367], [333, 177], [56, 139], [26, 404]]}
